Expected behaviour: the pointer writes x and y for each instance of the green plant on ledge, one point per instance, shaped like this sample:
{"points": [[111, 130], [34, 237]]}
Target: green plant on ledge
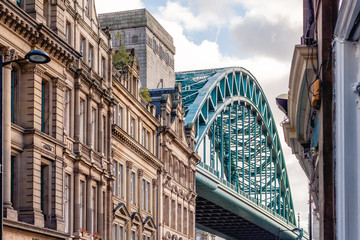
{"points": [[145, 94], [122, 59]]}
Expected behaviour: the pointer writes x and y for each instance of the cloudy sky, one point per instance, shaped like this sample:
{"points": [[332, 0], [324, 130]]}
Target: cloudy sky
{"points": [[258, 35]]}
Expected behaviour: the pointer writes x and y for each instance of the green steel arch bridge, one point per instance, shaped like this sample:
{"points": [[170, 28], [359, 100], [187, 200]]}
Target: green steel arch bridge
{"points": [[242, 183]]}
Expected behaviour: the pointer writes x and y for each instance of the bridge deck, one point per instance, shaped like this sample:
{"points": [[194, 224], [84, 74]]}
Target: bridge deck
{"points": [[224, 222]]}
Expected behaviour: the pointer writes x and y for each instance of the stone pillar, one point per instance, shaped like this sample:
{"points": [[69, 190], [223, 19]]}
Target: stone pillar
{"points": [[105, 211], [77, 202], [100, 209], [7, 135], [89, 120], [101, 128], [110, 121], [153, 209], [110, 214], [88, 204], [30, 207], [9, 212], [129, 166], [140, 174], [77, 110]]}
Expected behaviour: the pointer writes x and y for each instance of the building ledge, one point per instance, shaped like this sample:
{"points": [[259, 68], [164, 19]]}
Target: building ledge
{"points": [[296, 130], [34, 229]]}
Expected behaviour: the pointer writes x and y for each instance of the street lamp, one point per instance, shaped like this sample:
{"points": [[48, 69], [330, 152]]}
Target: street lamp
{"points": [[300, 230], [34, 56]]}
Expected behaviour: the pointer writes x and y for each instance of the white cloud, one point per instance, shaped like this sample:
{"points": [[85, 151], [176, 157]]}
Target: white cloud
{"points": [[255, 35], [176, 13], [265, 33], [114, 6], [290, 10], [268, 59]]}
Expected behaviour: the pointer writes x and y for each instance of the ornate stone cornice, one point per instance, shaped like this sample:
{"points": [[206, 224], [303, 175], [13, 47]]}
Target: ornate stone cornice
{"points": [[138, 149], [36, 33]]}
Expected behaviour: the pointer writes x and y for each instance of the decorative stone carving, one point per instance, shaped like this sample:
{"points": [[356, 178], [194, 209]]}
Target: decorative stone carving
{"points": [[129, 165], [155, 183], [78, 85], [140, 173], [90, 177], [8, 54], [78, 171], [58, 83]]}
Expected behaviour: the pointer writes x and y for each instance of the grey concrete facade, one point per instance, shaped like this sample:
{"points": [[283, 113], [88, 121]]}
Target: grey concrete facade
{"points": [[153, 44]]}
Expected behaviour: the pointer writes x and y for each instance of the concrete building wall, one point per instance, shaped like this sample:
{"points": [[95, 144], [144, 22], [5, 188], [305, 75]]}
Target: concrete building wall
{"points": [[154, 46]]}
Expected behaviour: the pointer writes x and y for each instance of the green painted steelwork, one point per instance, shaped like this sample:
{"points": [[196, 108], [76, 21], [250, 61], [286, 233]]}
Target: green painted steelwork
{"points": [[236, 136]]}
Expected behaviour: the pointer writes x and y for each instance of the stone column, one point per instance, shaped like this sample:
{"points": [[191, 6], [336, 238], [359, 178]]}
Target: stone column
{"points": [[100, 209], [101, 128], [140, 174], [9, 212], [111, 116], [89, 120], [129, 166], [110, 214], [139, 202], [154, 201], [77, 110], [77, 202], [7, 135], [88, 204]]}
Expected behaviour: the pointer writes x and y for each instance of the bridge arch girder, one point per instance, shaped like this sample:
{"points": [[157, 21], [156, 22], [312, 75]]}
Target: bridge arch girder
{"points": [[207, 95]]}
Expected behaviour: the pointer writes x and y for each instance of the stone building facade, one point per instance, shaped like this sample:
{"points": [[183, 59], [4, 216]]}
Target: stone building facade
{"points": [[83, 152], [177, 195], [154, 46], [57, 154], [135, 162]]}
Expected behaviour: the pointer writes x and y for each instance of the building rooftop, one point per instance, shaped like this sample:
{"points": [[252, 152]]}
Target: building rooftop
{"points": [[121, 20]]}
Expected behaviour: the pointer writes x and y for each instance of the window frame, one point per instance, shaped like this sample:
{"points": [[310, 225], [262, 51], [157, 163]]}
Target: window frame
{"points": [[68, 32]]}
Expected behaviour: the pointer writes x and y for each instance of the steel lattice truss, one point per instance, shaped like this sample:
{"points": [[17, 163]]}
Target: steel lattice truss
{"points": [[237, 137]]}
